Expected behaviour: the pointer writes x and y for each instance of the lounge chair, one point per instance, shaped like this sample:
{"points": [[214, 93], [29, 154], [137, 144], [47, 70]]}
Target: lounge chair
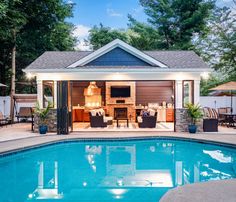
{"points": [[97, 121], [24, 113], [147, 121]]}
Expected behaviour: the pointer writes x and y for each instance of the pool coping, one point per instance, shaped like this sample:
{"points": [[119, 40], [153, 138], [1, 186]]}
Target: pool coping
{"points": [[72, 138]]}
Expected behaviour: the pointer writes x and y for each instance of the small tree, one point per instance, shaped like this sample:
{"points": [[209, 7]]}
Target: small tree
{"points": [[194, 112]]}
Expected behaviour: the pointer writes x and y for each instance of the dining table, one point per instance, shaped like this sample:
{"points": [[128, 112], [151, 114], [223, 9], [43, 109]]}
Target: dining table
{"points": [[230, 119]]}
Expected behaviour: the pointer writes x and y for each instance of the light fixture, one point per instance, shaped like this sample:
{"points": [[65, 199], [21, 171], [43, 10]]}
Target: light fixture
{"points": [[205, 75], [92, 89], [29, 75], [92, 93]]}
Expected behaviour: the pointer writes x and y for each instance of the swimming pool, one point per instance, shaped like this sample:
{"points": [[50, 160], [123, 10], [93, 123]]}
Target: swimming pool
{"points": [[134, 170]]}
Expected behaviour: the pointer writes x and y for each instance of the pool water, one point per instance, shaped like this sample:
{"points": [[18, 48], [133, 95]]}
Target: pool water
{"points": [[98, 171]]}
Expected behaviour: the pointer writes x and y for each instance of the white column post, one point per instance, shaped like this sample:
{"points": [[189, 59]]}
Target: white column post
{"points": [[40, 92], [196, 90], [178, 94], [55, 94]]}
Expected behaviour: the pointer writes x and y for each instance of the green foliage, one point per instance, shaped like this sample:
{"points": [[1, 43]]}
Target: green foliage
{"points": [[39, 26], [100, 36], [143, 36], [177, 21], [194, 112], [42, 113], [218, 48], [171, 25]]}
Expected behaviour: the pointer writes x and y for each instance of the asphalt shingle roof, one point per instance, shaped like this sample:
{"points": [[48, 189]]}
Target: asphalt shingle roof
{"points": [[62, 59]]}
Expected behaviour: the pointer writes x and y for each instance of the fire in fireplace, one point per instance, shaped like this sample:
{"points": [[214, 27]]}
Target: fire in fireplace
{"points": [[120, 112]]}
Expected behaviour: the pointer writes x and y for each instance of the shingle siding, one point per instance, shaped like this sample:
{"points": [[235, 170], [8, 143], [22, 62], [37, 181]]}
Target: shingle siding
{"points": [[117, 57]]}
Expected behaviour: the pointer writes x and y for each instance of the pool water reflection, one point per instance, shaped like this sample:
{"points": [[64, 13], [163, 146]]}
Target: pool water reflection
{"points": [[111, 171]]}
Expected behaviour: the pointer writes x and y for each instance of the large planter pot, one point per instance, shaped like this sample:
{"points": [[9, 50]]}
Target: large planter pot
{"points": [[192, 128], [43, 129]]}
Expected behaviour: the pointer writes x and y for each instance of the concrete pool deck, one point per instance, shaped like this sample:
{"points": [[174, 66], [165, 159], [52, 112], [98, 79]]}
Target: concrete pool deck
{"points": [[211, 191], [19, 136]]}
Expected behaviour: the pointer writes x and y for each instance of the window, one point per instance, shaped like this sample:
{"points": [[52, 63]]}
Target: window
{"points": [[48, 93], [187, 92]]}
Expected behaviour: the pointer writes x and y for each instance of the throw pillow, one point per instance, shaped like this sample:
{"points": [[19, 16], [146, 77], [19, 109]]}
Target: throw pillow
{"points": [[151, 112], [146, 113], [93, 112]]}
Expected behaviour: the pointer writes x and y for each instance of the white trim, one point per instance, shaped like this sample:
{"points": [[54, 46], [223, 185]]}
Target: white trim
{"points": [[146, 70], [120, 76], [196, 90], [40, 92], [110, 46], [178, 94], [55, 93]]}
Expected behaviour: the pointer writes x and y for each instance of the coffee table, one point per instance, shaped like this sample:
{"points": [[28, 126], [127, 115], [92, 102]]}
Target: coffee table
{"points": [[120, 119]]}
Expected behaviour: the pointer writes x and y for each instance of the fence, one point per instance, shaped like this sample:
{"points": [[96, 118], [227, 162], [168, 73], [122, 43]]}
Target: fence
{"points": [[217, 102], [5, 105]]}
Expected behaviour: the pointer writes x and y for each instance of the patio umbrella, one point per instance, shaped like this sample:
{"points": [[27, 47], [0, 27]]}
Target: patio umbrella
{"points": [[229, 86]]}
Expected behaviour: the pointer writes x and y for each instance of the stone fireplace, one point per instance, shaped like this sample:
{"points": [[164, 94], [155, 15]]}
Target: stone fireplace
{"points": [[121, 103], [120, 112]]}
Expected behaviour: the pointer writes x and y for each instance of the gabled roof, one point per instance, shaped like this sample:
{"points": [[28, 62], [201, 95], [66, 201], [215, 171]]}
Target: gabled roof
{"points": [[57, 59], [112, 45], [66, 60], [179, 59]]}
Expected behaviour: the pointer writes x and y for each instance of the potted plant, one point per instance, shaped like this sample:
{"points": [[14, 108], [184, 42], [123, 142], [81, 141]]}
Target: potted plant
{"points": [[194, 113], [42, 114]]}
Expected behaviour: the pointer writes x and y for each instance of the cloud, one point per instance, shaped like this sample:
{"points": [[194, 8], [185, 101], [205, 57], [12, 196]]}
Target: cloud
{"points": [[81, 32], [111, 12], [138, 9]]}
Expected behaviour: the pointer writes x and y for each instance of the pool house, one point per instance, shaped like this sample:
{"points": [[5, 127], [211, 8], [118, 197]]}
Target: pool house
{"points": [[117, 87]]}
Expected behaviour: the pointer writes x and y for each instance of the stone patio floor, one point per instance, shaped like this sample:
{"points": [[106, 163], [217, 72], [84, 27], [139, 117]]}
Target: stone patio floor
{"points": [[19, 136]]}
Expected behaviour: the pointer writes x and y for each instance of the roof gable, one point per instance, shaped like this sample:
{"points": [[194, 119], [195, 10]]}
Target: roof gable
{"points": [[131, 51], [117, 57]]}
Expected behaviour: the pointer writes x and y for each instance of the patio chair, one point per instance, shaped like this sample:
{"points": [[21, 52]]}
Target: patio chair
{"points": [[228, 109], [147, 121], [210, 120], [97, 121], [24, 113], [222, 117]]}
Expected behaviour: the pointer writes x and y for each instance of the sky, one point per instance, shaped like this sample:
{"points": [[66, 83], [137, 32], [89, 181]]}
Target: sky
{"points": [[111, 13]]}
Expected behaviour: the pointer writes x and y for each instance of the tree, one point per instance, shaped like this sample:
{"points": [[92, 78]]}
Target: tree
{"points": [[100, 36], [143, 36], [39, 26], [139, 35], [13, 20], [218, 48], [176, 21]]}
